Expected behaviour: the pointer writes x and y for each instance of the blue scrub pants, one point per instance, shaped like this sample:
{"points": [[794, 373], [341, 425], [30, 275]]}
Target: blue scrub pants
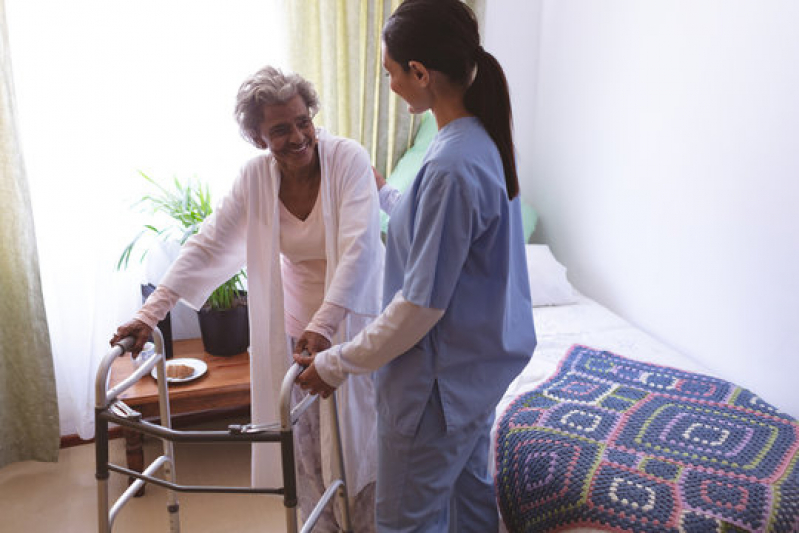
{"points": [[423, 477]]}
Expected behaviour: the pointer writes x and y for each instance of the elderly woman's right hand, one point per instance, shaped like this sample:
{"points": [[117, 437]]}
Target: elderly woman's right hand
{"points": [[379, 179], [136, 329]]}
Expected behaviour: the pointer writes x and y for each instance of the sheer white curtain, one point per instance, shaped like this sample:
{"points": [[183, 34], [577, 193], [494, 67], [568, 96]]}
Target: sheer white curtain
{"points": [[28, 413], [106, 89]]}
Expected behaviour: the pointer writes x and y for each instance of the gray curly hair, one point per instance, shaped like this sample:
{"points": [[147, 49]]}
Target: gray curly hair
{"points": [[269, 86]]}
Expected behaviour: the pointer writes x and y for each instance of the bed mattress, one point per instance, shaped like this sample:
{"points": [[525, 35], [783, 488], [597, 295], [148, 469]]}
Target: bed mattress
{"points": [[587, 323]]}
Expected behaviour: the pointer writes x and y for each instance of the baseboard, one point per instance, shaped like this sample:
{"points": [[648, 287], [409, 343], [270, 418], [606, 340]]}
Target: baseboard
{"points": [[73, 439]]}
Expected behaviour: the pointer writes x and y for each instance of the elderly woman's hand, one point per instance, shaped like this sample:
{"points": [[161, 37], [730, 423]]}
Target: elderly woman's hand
{"points": [[379, 179], [312, 342], [136, 329]]}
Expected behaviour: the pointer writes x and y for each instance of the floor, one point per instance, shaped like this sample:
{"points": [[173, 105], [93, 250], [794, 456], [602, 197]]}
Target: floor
{"points": [[46, 497]]}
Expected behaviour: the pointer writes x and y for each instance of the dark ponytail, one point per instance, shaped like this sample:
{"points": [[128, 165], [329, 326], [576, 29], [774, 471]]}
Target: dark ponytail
{"points": [[489, 99], [443, 35]]}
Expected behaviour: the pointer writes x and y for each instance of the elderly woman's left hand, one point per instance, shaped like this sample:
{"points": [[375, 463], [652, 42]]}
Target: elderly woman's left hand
{"points": [[306, 348], [311, 342], [310, 380]]}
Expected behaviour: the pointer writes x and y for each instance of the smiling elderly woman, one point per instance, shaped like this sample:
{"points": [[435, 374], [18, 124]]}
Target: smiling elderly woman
{"points": [[304, 218]]}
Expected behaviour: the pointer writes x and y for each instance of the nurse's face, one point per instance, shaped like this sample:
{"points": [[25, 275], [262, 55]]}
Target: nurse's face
{"points": [[410, 85], [287, 130]]}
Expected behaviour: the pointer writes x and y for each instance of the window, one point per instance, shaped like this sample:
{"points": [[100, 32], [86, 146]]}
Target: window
{"points": [[105, 89]]}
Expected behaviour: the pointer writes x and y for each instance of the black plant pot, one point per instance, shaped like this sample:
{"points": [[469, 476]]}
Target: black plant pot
{"points": [[225, 332], [165, 325]]}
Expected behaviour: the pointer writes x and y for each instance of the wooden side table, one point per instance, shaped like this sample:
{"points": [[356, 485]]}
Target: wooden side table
{"points": [[223, 390]]}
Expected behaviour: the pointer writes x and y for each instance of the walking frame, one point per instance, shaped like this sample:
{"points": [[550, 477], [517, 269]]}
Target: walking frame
{"points": [[109, 408]]}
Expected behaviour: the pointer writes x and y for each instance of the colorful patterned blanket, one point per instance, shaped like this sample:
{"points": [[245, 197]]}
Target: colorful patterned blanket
{"points": [[618, 445]]}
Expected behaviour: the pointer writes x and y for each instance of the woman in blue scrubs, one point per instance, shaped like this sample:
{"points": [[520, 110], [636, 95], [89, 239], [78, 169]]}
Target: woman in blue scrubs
{"points": [[457, 324]]}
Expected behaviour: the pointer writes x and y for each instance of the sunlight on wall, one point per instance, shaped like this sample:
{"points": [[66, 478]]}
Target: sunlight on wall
{"points": [[105, 89]]}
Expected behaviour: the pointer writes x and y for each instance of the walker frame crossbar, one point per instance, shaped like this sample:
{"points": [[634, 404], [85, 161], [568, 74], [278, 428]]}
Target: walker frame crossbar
{"points": [[109, 409]]}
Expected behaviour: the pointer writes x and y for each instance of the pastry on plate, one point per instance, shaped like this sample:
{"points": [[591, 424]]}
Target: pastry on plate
{"points": [[179, 371]]}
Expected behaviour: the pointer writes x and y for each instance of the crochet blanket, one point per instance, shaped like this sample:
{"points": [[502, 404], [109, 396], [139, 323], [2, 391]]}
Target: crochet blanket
{"points": [[619, 445]]}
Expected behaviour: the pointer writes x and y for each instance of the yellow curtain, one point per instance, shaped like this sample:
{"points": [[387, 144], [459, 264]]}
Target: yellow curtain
{"points": [[336, 45], [28, 404]]}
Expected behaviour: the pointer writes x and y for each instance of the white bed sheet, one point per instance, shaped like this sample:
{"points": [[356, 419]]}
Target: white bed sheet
{"points": [[585, 322]]}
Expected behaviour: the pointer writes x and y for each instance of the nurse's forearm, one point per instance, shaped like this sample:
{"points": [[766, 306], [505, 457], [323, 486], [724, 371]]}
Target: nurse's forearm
{"points": [[401, 325]]}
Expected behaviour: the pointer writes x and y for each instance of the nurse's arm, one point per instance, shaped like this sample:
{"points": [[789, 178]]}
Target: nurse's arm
{"points": [[401, 325]]}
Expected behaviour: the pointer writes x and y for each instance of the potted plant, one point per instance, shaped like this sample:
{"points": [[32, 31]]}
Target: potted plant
{"points": [[224, 325]]}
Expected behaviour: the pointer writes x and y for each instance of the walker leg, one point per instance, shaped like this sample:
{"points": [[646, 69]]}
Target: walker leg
{"points": [[173, 507], [289, 479], [342, 496], [291, 520], [101, 473]]}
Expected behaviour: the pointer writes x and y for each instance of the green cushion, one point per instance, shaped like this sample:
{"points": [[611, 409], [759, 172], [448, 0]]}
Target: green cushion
{"points": [[529, 220], [411, 161]]}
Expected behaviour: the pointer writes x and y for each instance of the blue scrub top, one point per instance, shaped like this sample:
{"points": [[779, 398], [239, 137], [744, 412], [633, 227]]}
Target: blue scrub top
{"points": [[456, 243]]}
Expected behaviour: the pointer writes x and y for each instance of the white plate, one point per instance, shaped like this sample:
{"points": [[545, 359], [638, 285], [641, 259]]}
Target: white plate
{"points": [[199, 367]]}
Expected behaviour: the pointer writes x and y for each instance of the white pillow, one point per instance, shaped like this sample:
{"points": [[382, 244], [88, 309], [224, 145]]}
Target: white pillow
{"points": [[548, 282]]}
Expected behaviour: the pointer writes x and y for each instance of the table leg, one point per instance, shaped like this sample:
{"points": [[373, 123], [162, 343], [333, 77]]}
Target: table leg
{"points": [[134, 453]]}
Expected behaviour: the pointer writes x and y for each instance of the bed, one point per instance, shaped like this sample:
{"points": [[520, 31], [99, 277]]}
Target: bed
{"points": [[607, 429]]}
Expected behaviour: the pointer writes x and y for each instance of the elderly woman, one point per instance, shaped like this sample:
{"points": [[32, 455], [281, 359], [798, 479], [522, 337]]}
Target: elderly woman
{"points": [[303, 217]]}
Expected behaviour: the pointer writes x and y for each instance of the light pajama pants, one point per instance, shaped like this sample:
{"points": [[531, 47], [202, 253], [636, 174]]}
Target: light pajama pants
{"points": [[424, 479], [310, 486]]}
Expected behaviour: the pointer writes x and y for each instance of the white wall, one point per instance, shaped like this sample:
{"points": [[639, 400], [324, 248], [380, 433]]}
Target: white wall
{"points": [[659, 143]]}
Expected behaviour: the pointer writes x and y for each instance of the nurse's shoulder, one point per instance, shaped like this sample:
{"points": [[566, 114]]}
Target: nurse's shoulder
{"points": [[447, 175]]}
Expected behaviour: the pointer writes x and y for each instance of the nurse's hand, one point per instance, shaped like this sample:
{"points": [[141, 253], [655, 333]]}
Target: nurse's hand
{"points": [[309, 380], [136, 329], [312, 342]]}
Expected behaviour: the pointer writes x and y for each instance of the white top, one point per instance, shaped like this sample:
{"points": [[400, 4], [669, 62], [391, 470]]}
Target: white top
{"points": [[245, 228], [303, 265], [302, 244]]}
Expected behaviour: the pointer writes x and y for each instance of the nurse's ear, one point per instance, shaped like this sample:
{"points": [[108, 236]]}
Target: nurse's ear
{"points": [[419, 73]]}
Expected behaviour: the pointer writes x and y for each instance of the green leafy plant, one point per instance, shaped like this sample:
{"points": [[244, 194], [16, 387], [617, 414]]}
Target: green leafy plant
{"points": [[183, 207]]}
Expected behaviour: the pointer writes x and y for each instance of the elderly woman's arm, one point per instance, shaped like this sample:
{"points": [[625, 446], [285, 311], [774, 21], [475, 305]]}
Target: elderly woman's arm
{"points": [[326, 320], [154, 310], [389, 196], [214, 254], [205, 261], [319, 332]]}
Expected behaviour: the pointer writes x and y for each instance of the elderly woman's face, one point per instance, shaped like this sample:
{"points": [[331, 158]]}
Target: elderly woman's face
{"points": [[288, 131]]}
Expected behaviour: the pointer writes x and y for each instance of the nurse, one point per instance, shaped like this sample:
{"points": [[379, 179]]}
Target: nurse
{"points": [[457, 325]]}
